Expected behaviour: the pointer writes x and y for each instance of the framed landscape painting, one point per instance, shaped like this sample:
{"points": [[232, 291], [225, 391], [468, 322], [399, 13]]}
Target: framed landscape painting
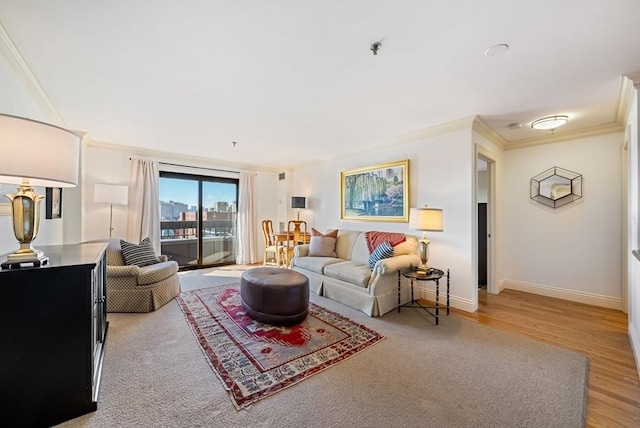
{"points": [[376, 193]]}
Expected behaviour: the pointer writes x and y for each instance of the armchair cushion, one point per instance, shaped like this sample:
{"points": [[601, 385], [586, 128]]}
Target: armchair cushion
{"points": [[157, 272], [139, 255]]}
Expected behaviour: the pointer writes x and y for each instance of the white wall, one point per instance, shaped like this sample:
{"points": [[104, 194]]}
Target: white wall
{"points": [[441, 171], [572, 252]]}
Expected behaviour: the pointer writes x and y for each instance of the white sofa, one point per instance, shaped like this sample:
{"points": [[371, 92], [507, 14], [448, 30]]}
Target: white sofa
{"points": [[348, 277]]}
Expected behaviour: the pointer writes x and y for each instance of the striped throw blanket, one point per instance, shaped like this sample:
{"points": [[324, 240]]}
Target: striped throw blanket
{"points": [[376, 238]]}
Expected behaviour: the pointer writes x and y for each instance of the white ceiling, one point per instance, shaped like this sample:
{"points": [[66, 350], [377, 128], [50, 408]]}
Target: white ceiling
{"points": [[292, 82]]}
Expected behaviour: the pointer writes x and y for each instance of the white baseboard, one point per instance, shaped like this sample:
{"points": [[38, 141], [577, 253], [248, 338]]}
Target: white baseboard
{"points": [[635, 345], [454, 301], [561, 293]]}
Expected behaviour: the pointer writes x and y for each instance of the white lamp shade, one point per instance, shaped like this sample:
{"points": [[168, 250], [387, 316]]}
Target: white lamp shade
{"points": [[111, 194], [45, 154], [427, 219]]}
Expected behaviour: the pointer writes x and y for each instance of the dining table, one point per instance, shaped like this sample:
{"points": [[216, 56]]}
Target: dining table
{"points": [[284, 238]]}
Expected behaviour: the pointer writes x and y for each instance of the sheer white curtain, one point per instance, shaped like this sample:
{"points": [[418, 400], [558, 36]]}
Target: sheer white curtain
{"points": [[144, 202], [247, 234]]}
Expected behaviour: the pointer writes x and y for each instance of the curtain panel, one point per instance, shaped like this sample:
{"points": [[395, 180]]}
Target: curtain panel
{"points": [[247, 223], [144, 202]]}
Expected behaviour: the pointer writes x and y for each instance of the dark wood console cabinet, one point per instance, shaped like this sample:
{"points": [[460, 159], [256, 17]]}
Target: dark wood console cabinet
{"points": [[53, 328]]}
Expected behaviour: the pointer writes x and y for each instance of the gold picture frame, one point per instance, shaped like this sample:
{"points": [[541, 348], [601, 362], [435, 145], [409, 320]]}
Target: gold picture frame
{"points": [[376, 193]]}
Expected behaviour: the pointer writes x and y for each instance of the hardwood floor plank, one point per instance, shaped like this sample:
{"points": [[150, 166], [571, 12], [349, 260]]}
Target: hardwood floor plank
{"points": [[599, 333]]}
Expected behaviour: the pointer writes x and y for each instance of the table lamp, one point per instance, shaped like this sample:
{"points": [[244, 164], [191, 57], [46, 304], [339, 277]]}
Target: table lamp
{"points": [[34, 153], [427, 220], [298, 202], [111, 194]]}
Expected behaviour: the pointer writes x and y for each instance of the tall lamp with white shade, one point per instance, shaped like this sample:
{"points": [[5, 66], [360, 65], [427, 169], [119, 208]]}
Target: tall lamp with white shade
{"points": [[34, 153], [427, 220], [111, 194]]}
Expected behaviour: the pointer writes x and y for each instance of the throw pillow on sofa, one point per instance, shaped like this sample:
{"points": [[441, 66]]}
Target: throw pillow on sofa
{"points": [[139, 255], [382, 251], [323, 245]]}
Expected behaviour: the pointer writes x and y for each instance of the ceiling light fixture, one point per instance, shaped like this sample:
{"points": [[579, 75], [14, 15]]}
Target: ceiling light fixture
{"points": [[551, 122], [496, 50]]}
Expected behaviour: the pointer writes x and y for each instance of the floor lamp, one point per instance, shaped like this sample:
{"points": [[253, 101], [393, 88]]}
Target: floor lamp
{"points": [[111, 194], [427, 220], [34, 153]]}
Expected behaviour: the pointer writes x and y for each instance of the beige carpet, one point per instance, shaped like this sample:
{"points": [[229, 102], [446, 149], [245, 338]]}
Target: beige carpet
{"points": [[458, 374]]}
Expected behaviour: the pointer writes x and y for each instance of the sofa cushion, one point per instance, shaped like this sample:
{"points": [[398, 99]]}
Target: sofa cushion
{"points": [[349, 271], [139, 255], [322, 246], [333, 233], [315, 264], [382, 251]]}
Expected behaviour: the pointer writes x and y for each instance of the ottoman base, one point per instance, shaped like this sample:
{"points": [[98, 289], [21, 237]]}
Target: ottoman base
{"points": [[284, 320]]}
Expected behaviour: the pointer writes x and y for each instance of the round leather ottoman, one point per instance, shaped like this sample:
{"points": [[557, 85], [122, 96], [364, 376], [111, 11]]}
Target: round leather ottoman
{"points": [[274, 295]]}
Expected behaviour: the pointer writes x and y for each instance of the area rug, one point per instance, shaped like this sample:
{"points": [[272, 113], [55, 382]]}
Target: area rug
{"points": [[254, 360]]}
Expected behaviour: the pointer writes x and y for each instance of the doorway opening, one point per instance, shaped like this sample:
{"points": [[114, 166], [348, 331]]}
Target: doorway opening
{"points": [[485, 199]]}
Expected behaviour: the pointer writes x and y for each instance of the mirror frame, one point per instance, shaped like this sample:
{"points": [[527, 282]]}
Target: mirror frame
{"points": [[574, 178]]}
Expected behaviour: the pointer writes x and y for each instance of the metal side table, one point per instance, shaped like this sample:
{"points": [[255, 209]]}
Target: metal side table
{"points": [[415, 275]]}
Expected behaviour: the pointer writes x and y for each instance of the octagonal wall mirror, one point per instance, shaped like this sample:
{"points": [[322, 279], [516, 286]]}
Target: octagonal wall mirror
{"points": [[556, 187]]}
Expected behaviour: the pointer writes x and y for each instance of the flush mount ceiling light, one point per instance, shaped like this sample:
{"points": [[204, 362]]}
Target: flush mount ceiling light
{"points": [[496, 50], [551, 122]]}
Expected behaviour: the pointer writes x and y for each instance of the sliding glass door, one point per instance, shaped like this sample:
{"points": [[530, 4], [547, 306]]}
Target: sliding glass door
{"points": [[198, 219]]}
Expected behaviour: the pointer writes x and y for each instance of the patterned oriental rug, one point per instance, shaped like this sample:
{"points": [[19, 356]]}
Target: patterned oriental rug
{"points": [[254, 360]]}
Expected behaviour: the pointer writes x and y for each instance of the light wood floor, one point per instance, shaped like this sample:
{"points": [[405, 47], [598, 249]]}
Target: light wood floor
{"points": [[599, 333]]}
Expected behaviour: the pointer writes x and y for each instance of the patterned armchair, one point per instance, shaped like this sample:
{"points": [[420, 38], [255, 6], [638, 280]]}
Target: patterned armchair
{"points": [[138, 289]]}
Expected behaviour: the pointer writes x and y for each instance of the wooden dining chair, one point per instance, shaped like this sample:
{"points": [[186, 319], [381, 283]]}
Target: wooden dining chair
{"points": [[297, 234], [273, 253]]}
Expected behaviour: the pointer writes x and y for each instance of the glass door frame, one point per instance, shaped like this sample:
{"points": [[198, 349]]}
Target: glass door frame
{"points": [[201, 179]]}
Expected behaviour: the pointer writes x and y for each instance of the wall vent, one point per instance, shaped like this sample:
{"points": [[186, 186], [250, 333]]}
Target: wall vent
{"points": [[281, 176]]}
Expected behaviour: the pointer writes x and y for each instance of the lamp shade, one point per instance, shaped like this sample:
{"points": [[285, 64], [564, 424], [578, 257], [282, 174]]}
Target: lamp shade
{"points": [[111, 194], [298, 202], [45, 154], [426, 219]]}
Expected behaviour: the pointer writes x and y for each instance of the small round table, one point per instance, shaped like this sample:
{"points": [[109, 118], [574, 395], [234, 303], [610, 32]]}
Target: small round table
{"points": [[431, 274]]}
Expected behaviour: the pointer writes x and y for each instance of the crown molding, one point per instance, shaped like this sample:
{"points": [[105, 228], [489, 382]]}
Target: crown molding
{"points": [[161, 156], [609, 128], [487, 132], [465, 123], [12, 58], [625, 98], [634, 77]]}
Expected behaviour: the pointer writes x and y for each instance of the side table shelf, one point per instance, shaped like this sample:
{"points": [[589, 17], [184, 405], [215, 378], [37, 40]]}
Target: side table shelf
{"points": [[415, 275]]}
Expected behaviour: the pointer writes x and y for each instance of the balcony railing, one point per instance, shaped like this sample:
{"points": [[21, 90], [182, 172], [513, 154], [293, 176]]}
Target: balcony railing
{"points": [[179, 241]]}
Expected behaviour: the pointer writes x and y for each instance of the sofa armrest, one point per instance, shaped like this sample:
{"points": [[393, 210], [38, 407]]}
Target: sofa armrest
{"points": [[301, 251], [119, 271], [392, 264]]}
